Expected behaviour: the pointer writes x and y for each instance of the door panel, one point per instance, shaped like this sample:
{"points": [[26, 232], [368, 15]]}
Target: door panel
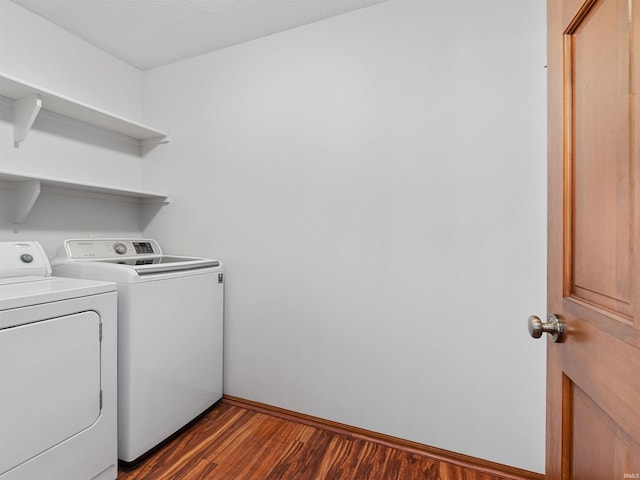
{"points": [[606, 456], [596, 52], [593, 376]]}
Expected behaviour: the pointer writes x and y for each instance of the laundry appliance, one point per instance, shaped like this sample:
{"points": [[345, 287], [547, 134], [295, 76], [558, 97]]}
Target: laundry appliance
{"points": [[170, 326], [58, 399]]}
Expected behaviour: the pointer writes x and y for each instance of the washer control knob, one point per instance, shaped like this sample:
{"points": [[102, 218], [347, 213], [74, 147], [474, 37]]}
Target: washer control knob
{"points": [[120, 248], [26, 258]]}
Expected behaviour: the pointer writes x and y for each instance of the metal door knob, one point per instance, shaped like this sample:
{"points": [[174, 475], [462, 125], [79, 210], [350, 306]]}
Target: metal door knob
{"points": [[554, 327]]}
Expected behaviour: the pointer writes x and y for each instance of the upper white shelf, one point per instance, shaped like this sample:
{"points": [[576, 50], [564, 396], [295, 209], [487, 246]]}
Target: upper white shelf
{"points": [[30, 98], [27, 188]]}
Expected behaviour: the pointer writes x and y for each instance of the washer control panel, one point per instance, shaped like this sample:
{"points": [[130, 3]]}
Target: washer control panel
{"points": [[92, 249]]}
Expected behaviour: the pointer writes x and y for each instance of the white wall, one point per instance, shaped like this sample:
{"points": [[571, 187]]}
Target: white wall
{"points": [[375, 186], [41, 53]]}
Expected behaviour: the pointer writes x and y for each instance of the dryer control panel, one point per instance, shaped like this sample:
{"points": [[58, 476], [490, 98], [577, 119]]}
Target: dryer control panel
{"points": [[21, 259], [107, 248]]}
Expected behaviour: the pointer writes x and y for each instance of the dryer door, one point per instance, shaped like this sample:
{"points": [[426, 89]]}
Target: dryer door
{"points": [[49, 384]]}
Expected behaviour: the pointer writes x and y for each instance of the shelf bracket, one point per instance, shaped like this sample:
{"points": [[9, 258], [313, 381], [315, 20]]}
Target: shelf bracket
{"points": [[25, 111], [156, 140], [25, 194], [149, 144]]}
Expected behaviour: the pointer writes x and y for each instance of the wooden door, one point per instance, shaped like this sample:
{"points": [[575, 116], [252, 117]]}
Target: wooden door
{"points": [[593, 376]]}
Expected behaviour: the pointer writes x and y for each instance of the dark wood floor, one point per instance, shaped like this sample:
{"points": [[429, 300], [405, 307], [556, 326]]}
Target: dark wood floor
{"points": [[234, 443]]}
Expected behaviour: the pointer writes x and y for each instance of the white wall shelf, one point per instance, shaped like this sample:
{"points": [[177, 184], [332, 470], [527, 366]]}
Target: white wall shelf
{"points": [[27, 189], [29, 99]]}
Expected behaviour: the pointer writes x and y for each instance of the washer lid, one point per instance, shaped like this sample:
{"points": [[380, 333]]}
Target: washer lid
{"points": [[164, 263], [22, 259]]}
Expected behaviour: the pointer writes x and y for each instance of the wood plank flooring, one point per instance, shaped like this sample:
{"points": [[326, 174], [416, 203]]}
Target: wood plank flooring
{"points": [[234, 443]]}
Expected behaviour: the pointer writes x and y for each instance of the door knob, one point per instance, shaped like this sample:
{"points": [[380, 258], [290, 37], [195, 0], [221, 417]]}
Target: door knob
{"points": [[554, 327]]}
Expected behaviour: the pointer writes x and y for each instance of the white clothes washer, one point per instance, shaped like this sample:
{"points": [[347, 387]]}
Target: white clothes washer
{"points": [[58, 398], [170, 326]]}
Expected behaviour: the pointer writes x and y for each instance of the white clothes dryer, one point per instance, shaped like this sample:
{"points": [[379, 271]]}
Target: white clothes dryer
{"points": [[170, 327], [58, 398]]}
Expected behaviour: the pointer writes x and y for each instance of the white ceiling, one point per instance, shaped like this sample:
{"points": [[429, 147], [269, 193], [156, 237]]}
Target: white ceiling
{"points": [[149, 33]]}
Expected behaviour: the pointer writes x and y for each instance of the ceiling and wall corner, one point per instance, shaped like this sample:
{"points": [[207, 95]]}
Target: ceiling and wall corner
{"points": [[150, 33], [39, 52]]}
